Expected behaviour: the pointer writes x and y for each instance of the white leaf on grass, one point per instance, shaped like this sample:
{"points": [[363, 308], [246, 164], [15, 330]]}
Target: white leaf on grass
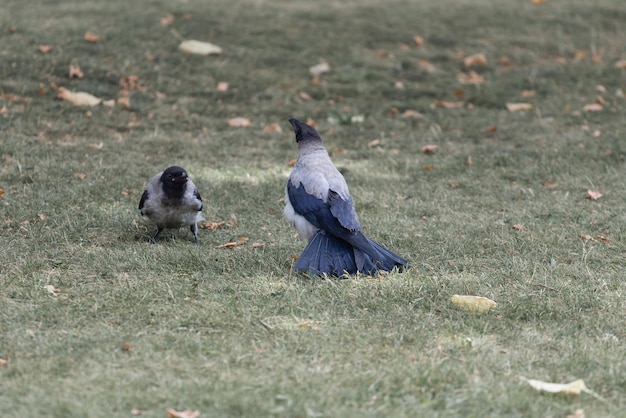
{"points": [[191, 46], [573, 388], [78, 98], [288, 323], [320, 68], [473, 303]]}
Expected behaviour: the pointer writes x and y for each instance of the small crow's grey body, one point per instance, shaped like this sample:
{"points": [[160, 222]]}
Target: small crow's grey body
{"points": [[319, 206], [171, 200]]}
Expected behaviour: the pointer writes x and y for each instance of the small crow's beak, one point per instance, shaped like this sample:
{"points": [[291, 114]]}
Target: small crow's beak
{"points": [[179, 179]]}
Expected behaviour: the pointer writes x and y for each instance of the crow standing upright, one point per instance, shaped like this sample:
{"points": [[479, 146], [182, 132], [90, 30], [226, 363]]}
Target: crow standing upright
{"points": [[319, 206], [171, 200]]}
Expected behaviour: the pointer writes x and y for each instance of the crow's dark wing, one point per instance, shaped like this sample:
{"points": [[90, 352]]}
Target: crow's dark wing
{"points": [[143, 199]]}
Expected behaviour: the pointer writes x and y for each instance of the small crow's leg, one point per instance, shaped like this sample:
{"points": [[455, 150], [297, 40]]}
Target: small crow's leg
{"points": [[153, 240], [194, 231]]}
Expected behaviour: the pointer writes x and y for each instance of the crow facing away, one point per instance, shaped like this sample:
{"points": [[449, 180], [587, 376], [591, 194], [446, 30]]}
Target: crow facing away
{"points": [[320, 208]]}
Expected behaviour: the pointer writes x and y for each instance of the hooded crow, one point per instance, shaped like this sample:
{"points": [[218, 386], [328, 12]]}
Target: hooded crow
{"points": [[320, 208], [171, 200]]}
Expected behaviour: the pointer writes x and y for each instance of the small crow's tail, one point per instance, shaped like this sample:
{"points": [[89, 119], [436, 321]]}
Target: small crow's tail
{"points": [[334, 256], [327, 254]]}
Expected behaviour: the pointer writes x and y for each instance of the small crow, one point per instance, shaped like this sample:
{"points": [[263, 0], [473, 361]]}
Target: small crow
{"points": [[171, 200], [319, 206]]}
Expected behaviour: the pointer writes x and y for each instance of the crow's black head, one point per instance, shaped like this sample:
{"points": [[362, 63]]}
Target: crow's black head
{"points": [[174, 179], [303, 131]]}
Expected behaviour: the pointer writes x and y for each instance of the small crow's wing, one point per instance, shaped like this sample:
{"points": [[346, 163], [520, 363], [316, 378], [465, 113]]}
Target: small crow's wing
{"points": [[196, 194], [143, 199]]}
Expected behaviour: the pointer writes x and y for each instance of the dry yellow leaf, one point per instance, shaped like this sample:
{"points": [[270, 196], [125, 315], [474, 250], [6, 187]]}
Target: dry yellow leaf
{"points": [[171, 413], [411, 114], [475, 60], [473, 303], [471, 78], [191, 46], [222, 86], [573, 388], [621, 64], [593, 194], [319, 69], [239, 122], [517, 107], [78, 98], [593, 107], [430, 149], [92, 37]]}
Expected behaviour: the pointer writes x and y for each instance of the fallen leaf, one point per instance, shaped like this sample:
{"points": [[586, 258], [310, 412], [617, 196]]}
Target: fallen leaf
{"points": [[109, 103], [274, 127], [51, 290], [475, 60], [399, 85], [291, 163], [586, 237], [171, 413], [239, 122], [519, 227], [527, 93], [593, 107], [621, 64], [289, 323], [304, 96], [124, 101], [600, 88], [212, 225], [75, 72], [603, 238], [413, 114], [430, 149], [517, 107], [257, 244], [319, 69], [1, 193], [453, 184], [445, 104], [573, 388], [131, 82], [580, 55], [419, 41], [469, 162], [222, 86], [471, 78], [81, 176], [505, 62], [4, 110], [136, 411], [538, 1], [127, 346], [429, 168], [473, 303], [91, 37], [550, 185], [232, 244], [3, 362], [459, 94], [492, 128], [199, 48], [78, 98], [593, 194], [44, 49], [426, 66]]}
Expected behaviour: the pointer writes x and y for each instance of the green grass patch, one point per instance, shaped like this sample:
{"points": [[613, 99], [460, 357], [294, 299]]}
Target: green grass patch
{"points": [[234, 331]]}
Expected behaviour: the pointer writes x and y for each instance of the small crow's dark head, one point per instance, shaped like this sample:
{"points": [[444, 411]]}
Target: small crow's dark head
{"points": [[174, 177], [303, 131]]}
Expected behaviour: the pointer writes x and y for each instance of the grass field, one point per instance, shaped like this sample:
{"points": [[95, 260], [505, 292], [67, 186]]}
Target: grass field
{"points": [[97, 322]]}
